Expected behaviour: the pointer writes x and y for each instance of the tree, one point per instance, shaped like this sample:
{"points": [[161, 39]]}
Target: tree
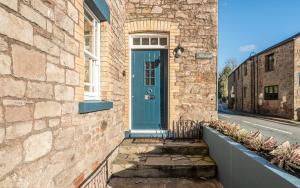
{"points": [[230, 65]]}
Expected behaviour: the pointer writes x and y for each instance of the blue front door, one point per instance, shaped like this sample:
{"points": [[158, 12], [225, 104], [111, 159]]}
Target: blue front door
{"points": [[147, 90]]}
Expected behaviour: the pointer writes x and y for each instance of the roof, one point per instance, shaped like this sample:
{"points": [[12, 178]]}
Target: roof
{"points": [[268, 49]]}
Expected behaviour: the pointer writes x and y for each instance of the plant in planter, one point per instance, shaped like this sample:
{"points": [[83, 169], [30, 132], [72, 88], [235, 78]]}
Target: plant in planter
{"points": [[269, 144], [285, 155]]}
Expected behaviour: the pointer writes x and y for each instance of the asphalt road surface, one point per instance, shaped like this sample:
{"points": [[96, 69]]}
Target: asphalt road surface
{"points": [[281, 131]]}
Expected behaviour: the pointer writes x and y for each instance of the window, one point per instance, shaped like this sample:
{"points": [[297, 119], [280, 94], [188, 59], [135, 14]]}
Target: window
{"points": [[271, 92], [245, 92], [269, 63], [91, 56], [150, 73], [245, 70], [149, 41]]}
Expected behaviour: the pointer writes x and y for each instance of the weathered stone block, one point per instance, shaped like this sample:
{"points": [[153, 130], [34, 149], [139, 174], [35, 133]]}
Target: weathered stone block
{"points": [[39, 90], [68, 108], [72, 78], [3, 45], [11, 87], [63, 21], [64, 93], [67, 59], [72, 12], [61, 4], [46, 45], [54, 122], [37, 145], [10, 157], [47, 109], [1, 115], [12, 102], [18, 130], [2, 135], [14, 27], [71, 45], [194, 1], [51, 59], [156, 10], [33, 16], [29, 64], [5, 63], [64, 138], [43, 9], [13, 4], [18, 113], [39, 124], [54, 73], [49, 26]]}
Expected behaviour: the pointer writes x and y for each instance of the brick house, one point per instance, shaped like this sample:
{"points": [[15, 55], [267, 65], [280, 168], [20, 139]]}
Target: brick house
{"points": [[269, 81], [72, 87]]}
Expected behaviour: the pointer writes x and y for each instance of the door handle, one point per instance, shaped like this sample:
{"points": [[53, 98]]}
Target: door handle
{"points": [[149, 97]]}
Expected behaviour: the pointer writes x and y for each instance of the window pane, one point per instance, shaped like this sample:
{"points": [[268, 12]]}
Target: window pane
{"points": [[88, 74], [154, 41], [271, 90], [275, 89], [136, 41], [153, 73], [89, 35], [145, 41], [152, 81], [163, 41]]}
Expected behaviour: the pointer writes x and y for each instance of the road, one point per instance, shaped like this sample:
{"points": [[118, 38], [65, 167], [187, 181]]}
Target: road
{"points": [[282, 131]]}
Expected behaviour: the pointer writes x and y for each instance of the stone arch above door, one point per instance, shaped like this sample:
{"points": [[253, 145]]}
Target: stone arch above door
{"points": [[155, 26]]}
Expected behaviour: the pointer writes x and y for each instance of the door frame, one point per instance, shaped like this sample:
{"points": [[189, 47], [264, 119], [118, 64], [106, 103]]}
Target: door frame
{"points": [[146, 47]]}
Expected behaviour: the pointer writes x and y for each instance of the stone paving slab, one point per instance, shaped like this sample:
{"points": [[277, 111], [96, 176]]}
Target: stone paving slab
{"points": [[164, 159], [163, 146], [165, 165], [162, 183]]}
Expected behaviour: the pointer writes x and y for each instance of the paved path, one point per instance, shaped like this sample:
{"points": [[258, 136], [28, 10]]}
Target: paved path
{"points": [[282, 131]]}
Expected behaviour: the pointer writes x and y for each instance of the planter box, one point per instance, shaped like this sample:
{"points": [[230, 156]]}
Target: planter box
{"points": [[239, 167]]}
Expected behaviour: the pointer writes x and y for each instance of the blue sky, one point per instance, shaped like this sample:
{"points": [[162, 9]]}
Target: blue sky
{"points": [[247, 26]]}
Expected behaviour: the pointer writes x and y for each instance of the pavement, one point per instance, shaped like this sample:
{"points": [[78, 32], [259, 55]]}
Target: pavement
{"points": [[281, 129]]}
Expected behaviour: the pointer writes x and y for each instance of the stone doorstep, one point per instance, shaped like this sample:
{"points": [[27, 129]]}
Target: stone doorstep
{"points": [[162, 183], [194, 147], [155, 166]]}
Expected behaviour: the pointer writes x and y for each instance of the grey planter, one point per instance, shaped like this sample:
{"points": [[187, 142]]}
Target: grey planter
{"points": [[239, 167]]}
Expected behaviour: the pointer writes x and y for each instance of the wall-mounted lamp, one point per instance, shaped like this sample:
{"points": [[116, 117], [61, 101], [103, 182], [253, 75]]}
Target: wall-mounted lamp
{"points": [[178, 51]]}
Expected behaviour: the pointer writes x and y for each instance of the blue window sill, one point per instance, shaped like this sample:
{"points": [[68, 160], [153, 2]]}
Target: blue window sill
{"points": [[94, 106]]}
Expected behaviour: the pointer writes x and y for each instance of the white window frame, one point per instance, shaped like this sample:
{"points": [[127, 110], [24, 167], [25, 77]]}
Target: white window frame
{"points": [[95, 64]]}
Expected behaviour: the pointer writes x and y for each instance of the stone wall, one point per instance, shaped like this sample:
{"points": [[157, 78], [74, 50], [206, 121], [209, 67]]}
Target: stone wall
{"points": [[282, 75], [44, 142], [193, 24], [297, 79], [246, 88]]}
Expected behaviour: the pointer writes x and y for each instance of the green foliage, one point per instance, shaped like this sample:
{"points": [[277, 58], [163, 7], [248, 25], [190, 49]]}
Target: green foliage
{"points": [[223, 79]]}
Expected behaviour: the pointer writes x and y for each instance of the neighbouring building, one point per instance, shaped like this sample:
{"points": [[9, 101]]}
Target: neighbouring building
{"points": [[269, 81], [78, 76]]}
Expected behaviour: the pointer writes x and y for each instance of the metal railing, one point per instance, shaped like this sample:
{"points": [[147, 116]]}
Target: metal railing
{"points": [[99, 178], [186, 129]]}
